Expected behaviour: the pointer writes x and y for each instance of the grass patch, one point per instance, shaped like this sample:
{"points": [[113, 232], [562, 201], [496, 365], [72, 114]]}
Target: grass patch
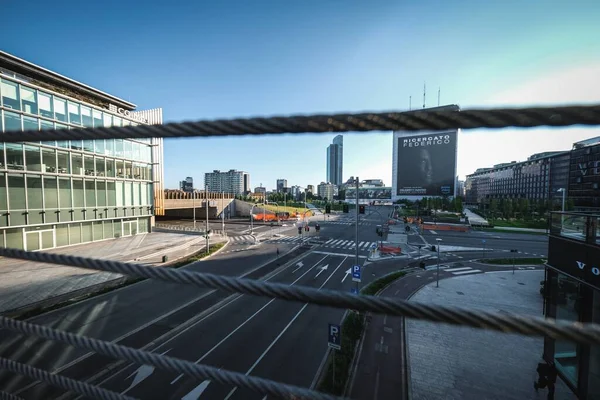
{"points": [[291, 210], [352, 329], [517, 261], [518, 232], [198, 256]]}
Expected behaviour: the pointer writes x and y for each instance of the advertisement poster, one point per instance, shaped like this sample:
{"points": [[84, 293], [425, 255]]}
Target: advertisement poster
{"points": [[426, 164]]}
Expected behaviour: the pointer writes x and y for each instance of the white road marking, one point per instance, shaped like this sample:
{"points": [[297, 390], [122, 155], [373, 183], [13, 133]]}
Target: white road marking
{"points": [[197, 391], [457, 269], [299, 265], [473, 271], [143, 372], [324, 268], [434, 232]]}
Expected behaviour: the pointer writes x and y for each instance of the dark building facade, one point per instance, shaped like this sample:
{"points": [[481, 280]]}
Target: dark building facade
{"points": [[538, 178], [572, 293], [584, 175]]}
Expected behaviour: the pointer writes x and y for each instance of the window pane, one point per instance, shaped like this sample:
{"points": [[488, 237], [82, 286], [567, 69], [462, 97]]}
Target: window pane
{"points": [[86, 116], [76, 144], [111, 194], [3, 194], [77, 161], [98, 235], [566, 353], [88, 165], [62, 235], [88, 145], [97, 115], [30, 124], [16, 192], [100, 165], [109, 147], [144, 194], [107, 120], [14, 238], [34, 192], [12, 122], [128, 169], [45, 105], [99, 144], [50, 192], [49, 160], [46, 124], [108, 229], [90, 196], [74, 233], [63, 163], [74, 116], [110, 167], [101, 193], [127, 145], [60, 109], [10, 95], [28, 100], [32, 158], [119, 191], [127, 191], [120, 169], [136, 194], [64, 190], [126, 122], [119, 147], [14, 156], [78, 194], [116, 121]]}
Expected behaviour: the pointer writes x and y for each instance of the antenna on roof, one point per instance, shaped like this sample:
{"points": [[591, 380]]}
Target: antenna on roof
{"points": [[439, 92], [424, 91], [409, 103]]}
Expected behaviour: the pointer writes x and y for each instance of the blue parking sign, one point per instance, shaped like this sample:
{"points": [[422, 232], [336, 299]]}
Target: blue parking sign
{"points": [[334, 339], [356, 273]]}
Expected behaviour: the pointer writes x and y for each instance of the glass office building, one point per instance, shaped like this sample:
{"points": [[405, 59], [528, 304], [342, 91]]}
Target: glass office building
{"points": [[60, 193]]}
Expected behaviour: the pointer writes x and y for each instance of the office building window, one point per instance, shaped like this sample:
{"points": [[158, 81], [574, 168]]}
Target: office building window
{"points": [[594, 374], [34, 192], [63, 166], [101, 194], [50, 193], [14, 156], [45, 105], [116, 121], [107, 120], [33, 160], [29, 100], [10, 95], [64, 193], [110, 167], [99, 146], [12, 122], [30, 124], [86, 117], [74, 114], [88, 145], [100, 166], [109, 147], [60, 109], [77, 162], [97, 116], [119, 148], [3, 194], [568, 307], [49, 160], [46, 124], [88, 165]]}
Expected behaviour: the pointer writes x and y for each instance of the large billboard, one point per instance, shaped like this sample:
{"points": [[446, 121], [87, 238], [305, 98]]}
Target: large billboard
{"points": [[374, 193], [425, 164]]}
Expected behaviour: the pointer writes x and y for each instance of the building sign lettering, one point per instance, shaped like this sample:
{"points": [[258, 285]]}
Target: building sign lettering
{"points": [[426, 141], [127, 113], [594, 166], [582, 265]]}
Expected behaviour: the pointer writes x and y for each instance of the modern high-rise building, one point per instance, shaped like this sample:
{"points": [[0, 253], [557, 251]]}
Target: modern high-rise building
{"points": [[260, 190], [281, 185], [310, 189], [335, 160], [187, 185], [232, 181], [60, 193]]}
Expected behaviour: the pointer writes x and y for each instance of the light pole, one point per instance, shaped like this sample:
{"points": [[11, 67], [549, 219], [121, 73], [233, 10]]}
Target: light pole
{"points": [[194, 207], [562, 216], [252, 218], [437, 282], [356, 227], [206, 204], [223, 213]]}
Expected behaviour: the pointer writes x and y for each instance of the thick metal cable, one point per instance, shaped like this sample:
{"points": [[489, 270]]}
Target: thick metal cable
{"points": [[434, 119], [8, 396], [198, 371], [531, 326], [61, 381]]}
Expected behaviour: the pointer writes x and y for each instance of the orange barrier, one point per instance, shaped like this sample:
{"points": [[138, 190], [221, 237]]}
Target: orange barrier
{"points": [[389, 249], [438, 227]]}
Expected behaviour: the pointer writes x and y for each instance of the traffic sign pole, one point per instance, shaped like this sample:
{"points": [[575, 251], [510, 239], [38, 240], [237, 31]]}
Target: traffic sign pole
{"points": [[357, 197]]}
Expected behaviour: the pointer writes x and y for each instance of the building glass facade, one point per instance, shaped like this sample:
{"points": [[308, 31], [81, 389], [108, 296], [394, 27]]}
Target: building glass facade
{"points": [[59, 193], [335, 160], [232, 181], [584, 177], [538, 178]]}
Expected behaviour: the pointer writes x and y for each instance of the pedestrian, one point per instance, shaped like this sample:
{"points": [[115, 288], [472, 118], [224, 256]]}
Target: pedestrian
{"points": [[546, 378], [278, 252]]}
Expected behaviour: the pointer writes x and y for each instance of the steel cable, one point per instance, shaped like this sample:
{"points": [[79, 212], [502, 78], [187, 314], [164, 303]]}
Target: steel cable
{"points": [[434, 119], [61, 381], [8, 396], [198, 371], [531, 326]]}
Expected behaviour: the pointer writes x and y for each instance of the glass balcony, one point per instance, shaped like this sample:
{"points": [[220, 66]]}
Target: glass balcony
{"points": [[581, 226]]}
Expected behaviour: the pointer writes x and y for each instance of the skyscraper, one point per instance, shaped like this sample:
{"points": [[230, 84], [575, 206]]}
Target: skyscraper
{"points": [[232, 181], [281, 185], [335, 160]]}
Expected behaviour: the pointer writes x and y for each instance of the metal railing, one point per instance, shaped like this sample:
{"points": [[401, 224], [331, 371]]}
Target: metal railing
{"points": [[436, 119]]}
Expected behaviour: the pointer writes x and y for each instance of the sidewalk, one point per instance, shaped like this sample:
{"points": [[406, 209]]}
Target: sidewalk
{"points": [[475, 219], [462, 363], [26, 285]]}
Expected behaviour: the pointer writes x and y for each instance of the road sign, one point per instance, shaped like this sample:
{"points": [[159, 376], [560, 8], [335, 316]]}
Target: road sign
{"points": [[373, 246], [354, 290], [483, 241], [334, 337], [356, 273]]}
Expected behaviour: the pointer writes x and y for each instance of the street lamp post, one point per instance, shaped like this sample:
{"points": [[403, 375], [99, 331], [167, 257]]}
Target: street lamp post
{"points": [[437, 282], [223, 213], [356, 227], [194, 208], [206, 205], [562, 216]]}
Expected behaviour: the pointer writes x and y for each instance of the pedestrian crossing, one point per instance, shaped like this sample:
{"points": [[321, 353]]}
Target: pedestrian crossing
{"points": [[347, 223], [242, 239], [331, 243]]}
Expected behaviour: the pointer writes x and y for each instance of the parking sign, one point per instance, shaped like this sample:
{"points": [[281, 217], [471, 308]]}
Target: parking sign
{"points": [[356, 273], [334, 337]]}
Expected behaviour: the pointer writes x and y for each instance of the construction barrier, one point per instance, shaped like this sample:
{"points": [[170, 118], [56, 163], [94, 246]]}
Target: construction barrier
{"points": [[389, 249], [439, 227]]}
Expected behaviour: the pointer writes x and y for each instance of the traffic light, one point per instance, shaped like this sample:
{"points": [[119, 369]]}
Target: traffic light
{"points": [[345, 208], [299, 230], [361, 209], [327, 209]]}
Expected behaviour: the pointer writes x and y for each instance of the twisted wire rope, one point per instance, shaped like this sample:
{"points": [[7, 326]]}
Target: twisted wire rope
{"points": [[508, 323], [190, 369], [433, 119]]}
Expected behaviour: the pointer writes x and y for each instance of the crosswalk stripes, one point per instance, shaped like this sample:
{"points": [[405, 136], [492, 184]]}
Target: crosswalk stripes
{"points": [[331, 243], [242, 239], [462, 270]]}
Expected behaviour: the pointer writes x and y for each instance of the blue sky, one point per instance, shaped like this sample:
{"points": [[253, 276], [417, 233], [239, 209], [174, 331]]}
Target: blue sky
{"points": [[198, 60]]}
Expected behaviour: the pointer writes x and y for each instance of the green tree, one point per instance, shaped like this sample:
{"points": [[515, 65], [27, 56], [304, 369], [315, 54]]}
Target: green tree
{"points": [[569, 204], [458, 205]]}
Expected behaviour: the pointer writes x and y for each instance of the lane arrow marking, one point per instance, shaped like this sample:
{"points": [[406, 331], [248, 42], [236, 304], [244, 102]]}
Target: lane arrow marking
{"points": [[141, 374], [197, 391], [324, 268], [346, 274], [299, 265]]}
